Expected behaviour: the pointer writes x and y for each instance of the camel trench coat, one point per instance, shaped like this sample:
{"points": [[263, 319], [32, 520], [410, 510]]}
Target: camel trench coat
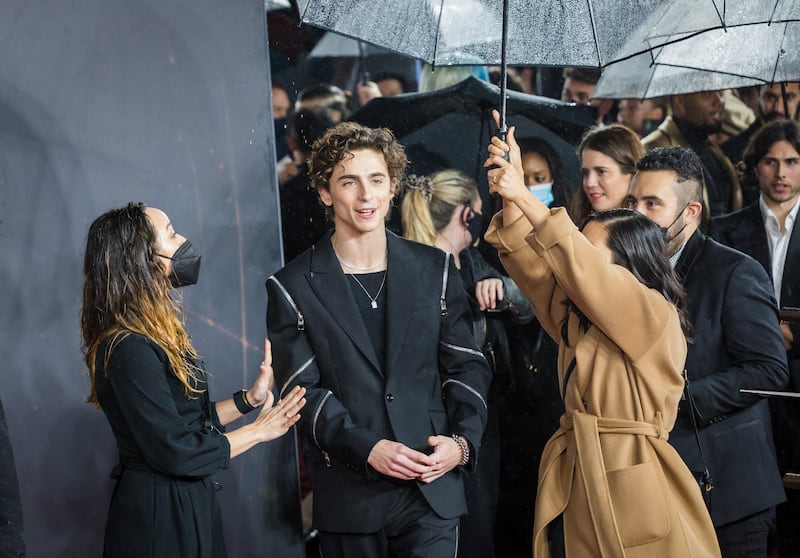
{"points": [[622, 489]]}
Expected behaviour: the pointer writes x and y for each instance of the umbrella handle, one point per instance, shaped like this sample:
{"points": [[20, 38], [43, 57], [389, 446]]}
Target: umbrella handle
{"points": [[502, 133]]}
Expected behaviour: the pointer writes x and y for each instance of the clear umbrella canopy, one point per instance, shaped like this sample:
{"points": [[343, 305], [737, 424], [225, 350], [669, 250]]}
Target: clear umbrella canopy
{"points": [[333, 45], [719, 59], [547, 32]]}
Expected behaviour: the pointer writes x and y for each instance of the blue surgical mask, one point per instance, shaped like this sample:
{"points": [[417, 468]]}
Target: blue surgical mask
{"points": [[543, 191]]}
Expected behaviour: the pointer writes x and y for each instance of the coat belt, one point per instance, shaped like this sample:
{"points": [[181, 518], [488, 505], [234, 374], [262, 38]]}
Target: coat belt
{"points": [[591, 469]]}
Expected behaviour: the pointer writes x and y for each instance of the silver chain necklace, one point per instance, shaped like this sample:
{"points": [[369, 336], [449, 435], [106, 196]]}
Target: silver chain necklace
{"points": [[373, 299], [356, 268]]}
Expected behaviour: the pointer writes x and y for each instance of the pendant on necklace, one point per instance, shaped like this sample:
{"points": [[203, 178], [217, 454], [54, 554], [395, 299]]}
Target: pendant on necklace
{"points": [[374, 305]]}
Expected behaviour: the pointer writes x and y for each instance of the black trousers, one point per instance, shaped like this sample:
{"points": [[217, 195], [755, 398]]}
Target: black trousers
{"points": [[746, 538], [412, 530]]}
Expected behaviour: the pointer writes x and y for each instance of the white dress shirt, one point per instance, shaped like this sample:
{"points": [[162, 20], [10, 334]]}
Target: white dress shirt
{"points": [[778, 241]]}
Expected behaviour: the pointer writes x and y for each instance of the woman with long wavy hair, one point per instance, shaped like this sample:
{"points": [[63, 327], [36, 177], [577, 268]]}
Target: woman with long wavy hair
{"points": [[149, 381]]}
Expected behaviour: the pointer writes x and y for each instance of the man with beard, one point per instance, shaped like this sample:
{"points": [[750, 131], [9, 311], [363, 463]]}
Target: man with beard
{"points": [[737, 345], [765, 230], [770, 108], [694, 117]]}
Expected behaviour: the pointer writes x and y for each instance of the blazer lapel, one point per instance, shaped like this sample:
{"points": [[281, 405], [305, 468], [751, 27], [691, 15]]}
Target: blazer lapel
{"points": [[402, 282], [330, 285], [750, 235], [790, 286], [690, 252]]}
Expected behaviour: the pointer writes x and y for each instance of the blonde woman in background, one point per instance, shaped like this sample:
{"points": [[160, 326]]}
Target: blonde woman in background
{"points": [[444, 210]]}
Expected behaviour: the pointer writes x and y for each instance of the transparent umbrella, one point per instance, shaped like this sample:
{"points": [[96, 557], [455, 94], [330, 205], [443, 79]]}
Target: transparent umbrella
{"points": [[720, 59], [368, 57], [549, 32]]}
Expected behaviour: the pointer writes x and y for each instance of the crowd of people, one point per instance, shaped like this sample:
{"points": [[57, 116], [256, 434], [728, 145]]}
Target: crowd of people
{"points": [[723, 202], [587, 392]]}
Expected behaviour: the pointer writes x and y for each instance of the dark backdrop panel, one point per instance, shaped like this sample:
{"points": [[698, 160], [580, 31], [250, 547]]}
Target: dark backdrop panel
{"points": [[104, 102]]}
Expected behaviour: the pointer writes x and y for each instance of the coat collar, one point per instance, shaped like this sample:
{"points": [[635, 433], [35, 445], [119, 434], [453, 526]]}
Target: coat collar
{"points": [[691, 251], [749, 235]]}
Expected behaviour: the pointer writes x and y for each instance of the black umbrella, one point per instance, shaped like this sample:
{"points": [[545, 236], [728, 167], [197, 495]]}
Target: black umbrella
{"points": [[451, 127]]}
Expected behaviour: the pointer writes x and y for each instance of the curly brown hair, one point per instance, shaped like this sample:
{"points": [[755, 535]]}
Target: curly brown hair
{"points": [[343, 139]]}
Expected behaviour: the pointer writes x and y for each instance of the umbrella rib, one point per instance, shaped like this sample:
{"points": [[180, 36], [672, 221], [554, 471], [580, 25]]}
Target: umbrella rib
{"points": [[778, 56], [734, 74], [774, 9], [594, 32], [436, 39], [720, 16], [650, 80]]}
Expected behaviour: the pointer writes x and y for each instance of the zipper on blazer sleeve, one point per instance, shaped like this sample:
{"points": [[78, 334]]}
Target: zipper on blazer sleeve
{"points": [[445, 273], [301, 322]]}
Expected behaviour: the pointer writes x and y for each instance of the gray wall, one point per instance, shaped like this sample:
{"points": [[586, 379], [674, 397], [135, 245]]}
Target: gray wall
{"points": [[104, 102]]}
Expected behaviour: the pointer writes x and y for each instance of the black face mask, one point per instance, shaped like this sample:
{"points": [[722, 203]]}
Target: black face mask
{"points": [[665, 230], [474, 223], [185, 265]]}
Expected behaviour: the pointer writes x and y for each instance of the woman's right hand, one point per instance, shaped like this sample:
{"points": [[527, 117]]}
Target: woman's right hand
{"points": [[504, 178], [274, 422]]}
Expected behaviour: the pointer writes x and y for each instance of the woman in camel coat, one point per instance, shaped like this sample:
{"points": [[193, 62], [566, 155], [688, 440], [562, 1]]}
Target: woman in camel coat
{"points": [[608, 474]]}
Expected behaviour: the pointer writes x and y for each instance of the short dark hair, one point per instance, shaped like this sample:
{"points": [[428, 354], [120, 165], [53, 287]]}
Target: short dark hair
{"points": [[585, 75], [320, 91], [684, 162], [333, 96], [392, 75], [343, 139], [766, 137], [308, 125], [562, 189]]}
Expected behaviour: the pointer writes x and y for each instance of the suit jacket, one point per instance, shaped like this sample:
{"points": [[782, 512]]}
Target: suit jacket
{"points": [[669, 135], [434, 382], [737, 344], [744, 230]]}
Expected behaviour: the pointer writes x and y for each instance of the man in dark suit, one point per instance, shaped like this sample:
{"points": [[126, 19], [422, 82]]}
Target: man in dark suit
{"points": [[737, 344], [766, 231], [375, 327], [695, 116]]}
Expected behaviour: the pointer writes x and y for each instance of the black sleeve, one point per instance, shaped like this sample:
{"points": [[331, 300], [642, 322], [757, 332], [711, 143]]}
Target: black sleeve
{"points": [[753, 342], [325, 419], [463, 368]]}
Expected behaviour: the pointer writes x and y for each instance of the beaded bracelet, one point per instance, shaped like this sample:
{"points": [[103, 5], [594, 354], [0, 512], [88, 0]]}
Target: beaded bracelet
{"points": [[462, 443], [241, 402]]}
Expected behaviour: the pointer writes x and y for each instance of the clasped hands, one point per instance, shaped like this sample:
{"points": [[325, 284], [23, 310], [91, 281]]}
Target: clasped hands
{"points": [[397, 460]]}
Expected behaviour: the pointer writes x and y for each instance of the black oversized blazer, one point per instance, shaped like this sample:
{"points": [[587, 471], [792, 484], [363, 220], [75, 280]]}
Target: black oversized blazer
{"points": [[744, 230], [435, 380], [737, 344]]}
